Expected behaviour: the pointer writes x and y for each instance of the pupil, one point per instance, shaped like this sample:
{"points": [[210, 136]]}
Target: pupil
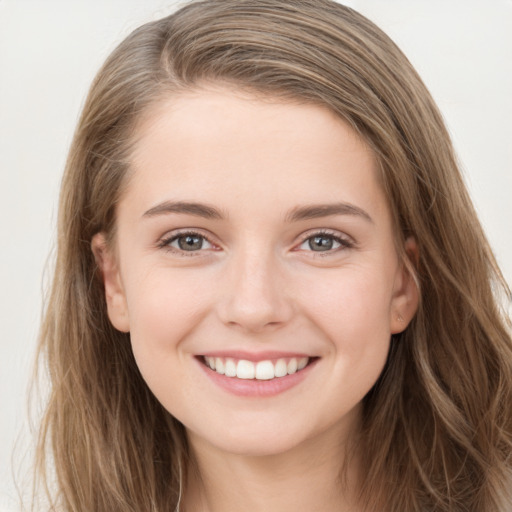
{"points": [[190, 242], [320, 243]]}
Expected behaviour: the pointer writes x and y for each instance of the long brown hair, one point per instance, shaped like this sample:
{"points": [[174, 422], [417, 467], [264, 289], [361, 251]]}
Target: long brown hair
{"points": [[437, 425]]}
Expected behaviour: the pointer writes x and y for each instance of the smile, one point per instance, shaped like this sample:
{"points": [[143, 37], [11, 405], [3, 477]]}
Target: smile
{"points": [[254, 375], [261, 370]]}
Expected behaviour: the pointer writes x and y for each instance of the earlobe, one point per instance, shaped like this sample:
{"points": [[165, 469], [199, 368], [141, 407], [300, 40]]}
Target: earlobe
{"points": [[406, 294], [114, 292]]}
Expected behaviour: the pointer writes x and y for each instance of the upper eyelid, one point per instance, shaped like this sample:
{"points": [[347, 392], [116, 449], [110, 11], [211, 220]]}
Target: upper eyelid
{"points": [[327, 232], [345, 241], [174, 233], [170, 236]]}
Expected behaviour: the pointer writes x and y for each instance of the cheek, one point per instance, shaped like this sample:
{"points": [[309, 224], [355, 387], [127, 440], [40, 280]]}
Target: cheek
{"points": [[353, 314], [163, 307], [351, 305], [356, 321]]}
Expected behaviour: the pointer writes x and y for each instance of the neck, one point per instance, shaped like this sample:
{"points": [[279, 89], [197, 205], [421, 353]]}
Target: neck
{"points": [[314, 476]]}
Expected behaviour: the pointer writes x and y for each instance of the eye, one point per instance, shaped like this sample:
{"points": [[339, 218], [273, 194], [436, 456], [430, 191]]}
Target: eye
{"points": [[187, 242], [324, 242]]}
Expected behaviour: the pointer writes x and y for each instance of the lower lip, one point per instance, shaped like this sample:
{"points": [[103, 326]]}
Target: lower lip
{"points": [[255, 387]]}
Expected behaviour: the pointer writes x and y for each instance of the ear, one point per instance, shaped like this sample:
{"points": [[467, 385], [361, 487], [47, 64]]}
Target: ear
{"points": [[114, 292], [406, 292]]}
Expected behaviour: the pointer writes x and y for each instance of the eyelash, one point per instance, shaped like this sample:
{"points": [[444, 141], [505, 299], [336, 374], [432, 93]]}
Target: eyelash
{"points": [[166, 242], [344, 243]]}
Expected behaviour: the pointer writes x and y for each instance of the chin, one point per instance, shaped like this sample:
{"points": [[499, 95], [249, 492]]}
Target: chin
{"points": [[251, 441]]}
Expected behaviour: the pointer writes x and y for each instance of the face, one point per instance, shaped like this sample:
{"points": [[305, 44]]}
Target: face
{"points": [[256, 270]]}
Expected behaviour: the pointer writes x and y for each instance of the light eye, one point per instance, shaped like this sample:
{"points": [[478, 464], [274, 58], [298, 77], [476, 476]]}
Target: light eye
{"points": [[189, 242], [323, 242]]}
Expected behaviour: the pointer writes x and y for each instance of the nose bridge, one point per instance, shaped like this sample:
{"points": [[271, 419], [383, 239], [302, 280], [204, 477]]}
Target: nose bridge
{"points": [[255, 295]]}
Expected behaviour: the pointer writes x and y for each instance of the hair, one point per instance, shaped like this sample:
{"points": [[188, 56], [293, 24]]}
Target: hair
{"points": [[437, 425]]}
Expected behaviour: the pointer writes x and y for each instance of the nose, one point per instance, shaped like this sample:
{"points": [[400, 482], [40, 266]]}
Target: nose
{"points": [[254, 296]]}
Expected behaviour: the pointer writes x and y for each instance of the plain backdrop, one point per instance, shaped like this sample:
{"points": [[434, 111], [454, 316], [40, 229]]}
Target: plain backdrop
{"points": [[50, 51]]}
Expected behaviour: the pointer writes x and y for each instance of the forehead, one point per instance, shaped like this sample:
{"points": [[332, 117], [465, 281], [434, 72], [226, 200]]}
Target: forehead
{"points": [[213, 141], [220, 106]]}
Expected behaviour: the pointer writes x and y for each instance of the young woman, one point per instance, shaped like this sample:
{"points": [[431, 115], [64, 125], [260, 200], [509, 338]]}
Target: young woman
{"points": [[271, 291]]}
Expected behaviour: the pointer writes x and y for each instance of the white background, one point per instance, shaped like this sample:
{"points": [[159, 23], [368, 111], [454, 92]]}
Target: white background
{"points": [[49, 52]]}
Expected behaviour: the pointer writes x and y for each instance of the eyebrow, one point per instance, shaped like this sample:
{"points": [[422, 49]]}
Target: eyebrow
{"points": [[316, 211], [197, 209]]}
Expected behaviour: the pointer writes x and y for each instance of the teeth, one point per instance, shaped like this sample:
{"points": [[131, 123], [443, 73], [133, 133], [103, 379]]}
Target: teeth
{"points": [[230, 368], [245, 369], [281, 368], [292, 366], [263, 370], [219, 366]]}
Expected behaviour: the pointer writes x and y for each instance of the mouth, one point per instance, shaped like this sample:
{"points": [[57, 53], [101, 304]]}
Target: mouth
{"points": [[262, 370]]}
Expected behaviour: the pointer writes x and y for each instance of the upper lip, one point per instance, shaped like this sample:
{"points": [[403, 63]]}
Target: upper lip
{"points": [[254, 356]]}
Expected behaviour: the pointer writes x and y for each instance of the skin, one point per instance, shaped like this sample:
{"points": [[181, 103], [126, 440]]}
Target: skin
{"points": [[256, 284]]}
